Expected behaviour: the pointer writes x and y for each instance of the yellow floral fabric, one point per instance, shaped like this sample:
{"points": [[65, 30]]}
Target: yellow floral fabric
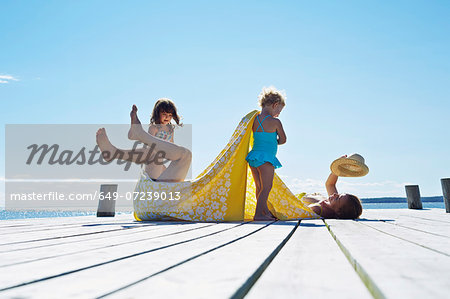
{"points": [[224, 191]]}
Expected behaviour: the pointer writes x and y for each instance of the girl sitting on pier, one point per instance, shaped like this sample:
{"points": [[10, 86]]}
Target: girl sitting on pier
{"points": [[159, 137]]}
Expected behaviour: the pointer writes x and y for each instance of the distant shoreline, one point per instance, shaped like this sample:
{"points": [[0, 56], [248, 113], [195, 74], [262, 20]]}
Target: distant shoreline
{"points": [[400, 199]]}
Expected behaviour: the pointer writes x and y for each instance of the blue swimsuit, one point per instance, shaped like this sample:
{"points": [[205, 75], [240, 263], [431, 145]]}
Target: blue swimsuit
{"points": [[264, 148]]}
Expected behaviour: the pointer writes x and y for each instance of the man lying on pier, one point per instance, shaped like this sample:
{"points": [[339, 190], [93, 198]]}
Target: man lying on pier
{"points": [[336, 206]]}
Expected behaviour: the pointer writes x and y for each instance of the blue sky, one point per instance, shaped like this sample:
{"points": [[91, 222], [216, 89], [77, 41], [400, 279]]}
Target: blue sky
{"points": [[367, 77]]}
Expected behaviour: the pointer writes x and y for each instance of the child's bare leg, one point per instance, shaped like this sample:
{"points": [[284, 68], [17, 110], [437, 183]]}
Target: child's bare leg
{"points": [[257, 179], [178, 169], [181, 157], [266, 174], [110, 152], [154, 171], [138, 156]]}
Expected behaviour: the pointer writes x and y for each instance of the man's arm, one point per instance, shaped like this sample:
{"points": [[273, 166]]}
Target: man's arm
{"points": [[330, 184]]}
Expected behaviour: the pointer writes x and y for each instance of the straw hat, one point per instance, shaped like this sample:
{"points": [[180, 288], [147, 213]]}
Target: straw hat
{"points": [[352, 166]]}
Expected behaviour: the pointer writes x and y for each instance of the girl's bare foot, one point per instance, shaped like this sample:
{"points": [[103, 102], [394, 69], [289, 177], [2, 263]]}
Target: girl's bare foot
{"points": [[267, 216], [264, 218], [136, 127], [108, 150]]}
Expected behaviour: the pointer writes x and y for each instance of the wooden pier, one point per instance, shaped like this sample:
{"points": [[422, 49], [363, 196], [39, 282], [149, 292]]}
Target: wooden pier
{"points": [[385, 254]]}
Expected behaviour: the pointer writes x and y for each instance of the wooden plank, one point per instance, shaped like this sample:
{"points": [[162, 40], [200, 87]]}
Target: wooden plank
{"points": [[44, 269], [32, 222], [435, 215], [394, 268], [228, 271], [85, 235], [8, 259], [392, 256], [436, 243], [310, 265], [70, 232], [96, 281], [413, 223], [62, 223], [54, 229], [78, 238]]}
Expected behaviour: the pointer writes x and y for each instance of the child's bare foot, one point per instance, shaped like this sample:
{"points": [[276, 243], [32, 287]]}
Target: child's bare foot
{"points": [[136, 127], [264, 217], [108, 150]]}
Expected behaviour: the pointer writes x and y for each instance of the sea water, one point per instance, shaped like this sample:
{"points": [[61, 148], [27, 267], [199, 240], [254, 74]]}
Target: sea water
{"points": [[7, 215], [401, 205]]}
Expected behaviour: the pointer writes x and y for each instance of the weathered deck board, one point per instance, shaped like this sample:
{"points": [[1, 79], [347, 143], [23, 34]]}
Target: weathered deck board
{"points": [[222, 272], [58, 221], [108, 277], [433, 242], [422, 226], [84, 235], [392, 253], [79, 238], [393, 267], [8, 259], [398, 217], [429, 214], [310, 265], [60, 226], [431, 217], [70, 232], [434, 215], [63, 264]]}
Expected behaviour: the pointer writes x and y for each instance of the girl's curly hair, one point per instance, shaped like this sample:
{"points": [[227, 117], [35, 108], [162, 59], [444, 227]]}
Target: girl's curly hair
{"points": [[164, 105], [270, 95]]}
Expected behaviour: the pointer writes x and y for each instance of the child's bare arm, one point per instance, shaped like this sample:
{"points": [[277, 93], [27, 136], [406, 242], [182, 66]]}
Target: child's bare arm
{"points": [[281, 134], [152, 130]]}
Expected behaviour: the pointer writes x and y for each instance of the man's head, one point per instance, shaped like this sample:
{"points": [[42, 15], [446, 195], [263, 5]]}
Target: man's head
{"points": [[341, 206]]}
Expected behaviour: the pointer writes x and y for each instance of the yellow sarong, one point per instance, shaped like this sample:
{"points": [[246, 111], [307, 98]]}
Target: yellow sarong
{"points": [[224, 191]]}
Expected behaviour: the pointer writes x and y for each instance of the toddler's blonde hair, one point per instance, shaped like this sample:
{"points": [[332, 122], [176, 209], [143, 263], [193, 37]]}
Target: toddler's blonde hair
{"points": [[270, 95]]}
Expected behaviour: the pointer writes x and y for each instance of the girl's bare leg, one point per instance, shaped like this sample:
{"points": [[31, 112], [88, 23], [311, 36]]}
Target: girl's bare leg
{"points": [[181, 157], [110, 152], [138, 156], [262, 212], [154, 171], [257, 179]]}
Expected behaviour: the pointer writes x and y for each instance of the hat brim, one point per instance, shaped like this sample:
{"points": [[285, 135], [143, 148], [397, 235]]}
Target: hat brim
{"points": [[346, 167]]}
